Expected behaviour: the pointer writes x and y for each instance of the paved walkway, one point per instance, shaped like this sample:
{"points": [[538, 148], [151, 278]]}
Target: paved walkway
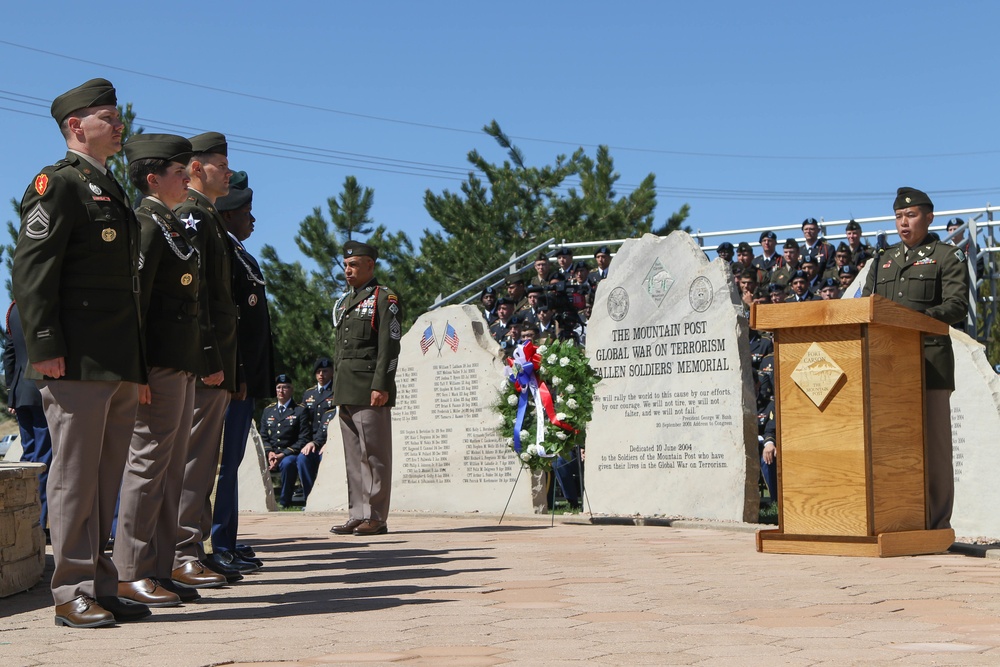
{"points": [[466, 591]]}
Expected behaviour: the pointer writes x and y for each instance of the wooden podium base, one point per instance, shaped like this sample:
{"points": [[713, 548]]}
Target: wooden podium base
{"points": [[906, 543]]}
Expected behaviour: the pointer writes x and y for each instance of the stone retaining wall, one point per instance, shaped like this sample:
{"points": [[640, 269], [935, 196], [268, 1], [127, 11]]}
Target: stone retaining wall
{"points": [[22, 540]]}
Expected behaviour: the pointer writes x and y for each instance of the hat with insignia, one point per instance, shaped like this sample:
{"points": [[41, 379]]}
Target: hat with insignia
{"points": [[490, 291], [159, 146], [799, 274], [955, 222], [544, 305], [505, 301], [579, 265], [810, 221], [514, 279], [240, 193], [744, 247], [830, 282], [724, 246], [791, 243], [768, 235], [808, 259], [322, 362], [843, 247], [210, 142], [848, 270], [907, 197], [603, 250], [94, 93], [562, 251], [282, 378], [853, 226], [358, 249], [775, 287]]}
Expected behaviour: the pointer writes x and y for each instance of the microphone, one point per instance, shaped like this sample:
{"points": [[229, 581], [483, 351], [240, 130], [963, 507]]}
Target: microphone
{"points": [[881, 245]]}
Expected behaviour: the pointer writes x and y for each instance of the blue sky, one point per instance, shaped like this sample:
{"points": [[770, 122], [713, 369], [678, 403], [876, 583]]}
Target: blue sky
{"points": [[755, 114]]}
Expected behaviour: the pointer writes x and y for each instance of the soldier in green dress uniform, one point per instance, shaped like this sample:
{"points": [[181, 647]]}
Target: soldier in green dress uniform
{"points": [[930, 277], [368, 322], [75, 279]]}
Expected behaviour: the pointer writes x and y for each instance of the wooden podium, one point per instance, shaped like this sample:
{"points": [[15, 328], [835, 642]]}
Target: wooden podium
{"points": [[850, 422]]}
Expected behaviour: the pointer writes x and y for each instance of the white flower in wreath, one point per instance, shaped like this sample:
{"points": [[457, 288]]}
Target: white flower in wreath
{"points": [[537, 450], [556, 381], [564, 362], [561, 416], [524, 434], [572, 404], [525, 456], [510, 442], [501, 420], [559, 399], [512, 399], [542, 349], [552, 358], [561, 435], [571, 388]]}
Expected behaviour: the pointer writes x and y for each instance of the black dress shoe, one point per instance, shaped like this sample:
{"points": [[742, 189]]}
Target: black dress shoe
{"points": [[232, 575], [185, 594], [124, 610], [229, 559], [347, 527], [245, 551], [83, 612]]}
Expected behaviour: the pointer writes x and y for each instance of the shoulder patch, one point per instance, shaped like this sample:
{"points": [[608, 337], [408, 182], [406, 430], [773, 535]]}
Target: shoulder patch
{"points": [[960, 254], [36, 223], [41, 184]]}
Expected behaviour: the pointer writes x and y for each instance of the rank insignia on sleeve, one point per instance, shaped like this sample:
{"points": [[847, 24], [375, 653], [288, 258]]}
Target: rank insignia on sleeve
{"points": [[41, 184], [36, 224], [395, 331]]}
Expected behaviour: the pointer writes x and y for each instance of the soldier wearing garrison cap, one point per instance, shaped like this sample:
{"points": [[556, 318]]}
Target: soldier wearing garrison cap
{"points": [[76, 282], [931, 278], [209, 172], [860, 250], [169, 286], [255, 360], [368, 322]]}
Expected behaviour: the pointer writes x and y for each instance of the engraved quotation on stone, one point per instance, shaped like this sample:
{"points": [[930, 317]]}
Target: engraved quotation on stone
{"points": [[701, 294], [658, 282], [817, 375], [618, 304]]}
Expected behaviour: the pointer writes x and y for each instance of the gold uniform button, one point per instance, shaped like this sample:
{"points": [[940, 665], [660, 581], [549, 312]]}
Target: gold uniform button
{"points": [[109, 235], [186, 279]]}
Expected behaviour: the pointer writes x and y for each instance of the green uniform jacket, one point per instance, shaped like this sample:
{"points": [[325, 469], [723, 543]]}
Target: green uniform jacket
{"points": [[168, 276], [933, 281], [217, 312], [368, 324], [75, 275]]}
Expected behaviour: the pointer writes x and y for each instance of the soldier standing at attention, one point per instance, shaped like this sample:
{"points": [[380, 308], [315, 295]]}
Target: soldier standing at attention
{"points": [[368, 328], [930, 277], [76, 282], [209, 172], [256, 362], [169, 284]]}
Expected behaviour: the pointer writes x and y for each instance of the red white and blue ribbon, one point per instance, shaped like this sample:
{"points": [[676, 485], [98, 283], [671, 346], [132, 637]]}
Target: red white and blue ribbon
{"points": [[523, 365]]}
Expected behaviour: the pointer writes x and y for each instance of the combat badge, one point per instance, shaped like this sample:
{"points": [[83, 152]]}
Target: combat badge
{"points": [[36, 225], [186, 279], [41, 184], [109, 235]]}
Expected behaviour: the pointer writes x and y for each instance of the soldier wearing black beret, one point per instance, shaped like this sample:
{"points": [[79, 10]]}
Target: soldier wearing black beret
{"points": [[488, 300], [209, 172], [255, 359], [285, 428], [169, 284], [76, 282], [769, 258], [931, 278], [564, 259], [799, 283], [814, 245], [541, 267], [368, 323]]}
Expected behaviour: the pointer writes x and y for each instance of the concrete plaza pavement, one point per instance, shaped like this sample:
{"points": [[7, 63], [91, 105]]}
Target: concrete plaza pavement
{"points": [[463, 590]]}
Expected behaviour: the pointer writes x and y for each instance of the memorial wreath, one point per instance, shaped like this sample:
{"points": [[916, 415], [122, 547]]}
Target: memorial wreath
{"points": [[547, 402]]}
